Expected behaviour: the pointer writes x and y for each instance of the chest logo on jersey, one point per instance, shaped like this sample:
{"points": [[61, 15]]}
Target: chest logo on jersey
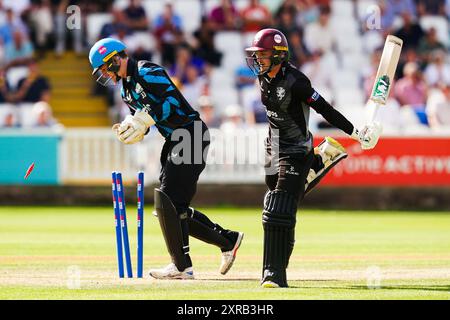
{"points": [[281, 92], [138, 89]]}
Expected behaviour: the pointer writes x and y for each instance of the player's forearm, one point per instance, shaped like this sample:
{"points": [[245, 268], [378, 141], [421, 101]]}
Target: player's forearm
{"points": [[333, 116]]}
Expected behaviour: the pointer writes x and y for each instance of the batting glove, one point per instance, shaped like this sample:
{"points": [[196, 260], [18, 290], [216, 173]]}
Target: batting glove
{"points": [[368, 135]]}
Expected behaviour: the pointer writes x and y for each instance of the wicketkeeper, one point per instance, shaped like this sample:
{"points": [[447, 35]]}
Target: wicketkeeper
{"points": [[153, 99], [293, 166]]}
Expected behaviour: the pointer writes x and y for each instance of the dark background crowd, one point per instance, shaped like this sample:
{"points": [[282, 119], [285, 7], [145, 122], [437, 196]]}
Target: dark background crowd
{"points": [[32, 30]]}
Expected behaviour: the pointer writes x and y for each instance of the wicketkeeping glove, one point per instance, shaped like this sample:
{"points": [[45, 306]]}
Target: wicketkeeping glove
{"points": [[133, 128], [368, 135]]}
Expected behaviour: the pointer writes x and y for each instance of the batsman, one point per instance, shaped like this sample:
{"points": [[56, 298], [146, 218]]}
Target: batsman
{"points": [[293, 166], [154, 100]]}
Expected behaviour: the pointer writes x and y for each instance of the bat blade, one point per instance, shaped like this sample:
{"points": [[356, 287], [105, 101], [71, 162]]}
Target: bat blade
{"points": [[386, 69]]}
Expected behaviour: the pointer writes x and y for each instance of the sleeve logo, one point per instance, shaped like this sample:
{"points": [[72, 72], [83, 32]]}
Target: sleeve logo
{"points": [[313, 97]]}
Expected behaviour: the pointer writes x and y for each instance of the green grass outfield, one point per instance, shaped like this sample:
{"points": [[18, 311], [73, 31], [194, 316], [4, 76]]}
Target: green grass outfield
{"points": [[338, 255]]}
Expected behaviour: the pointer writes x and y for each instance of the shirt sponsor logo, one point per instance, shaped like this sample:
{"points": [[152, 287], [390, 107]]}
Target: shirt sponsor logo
{"points": [[271, 114]]}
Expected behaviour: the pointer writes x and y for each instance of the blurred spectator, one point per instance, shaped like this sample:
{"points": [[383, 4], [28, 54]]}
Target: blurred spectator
{"points": [[34, 88], [123, 34], [43, 116], [286, 23], [326, 2], [195, 86], [398, 7], [232, 118], [321, 70], [19, 51], [12, 23], [254, 110], [183, 60], [225, 16], [113, 27], [289, 6], [207, 112], [61, 29], [319, 36], [255, 17], [2, 54], [169, 17], [136, 17], [411, 90], [391, 9], [244, 78], [18, 6], [411, 32], [5, 93], [430, 7], [299, 54], [408, 55], [203, 44], [271, 5], [95, 6], [428, 44], [438, 107], [169, 33], [41, 21], [2, 14], [308, 12], [438, 70], [142, 54], [137, 43], [8, 117]]}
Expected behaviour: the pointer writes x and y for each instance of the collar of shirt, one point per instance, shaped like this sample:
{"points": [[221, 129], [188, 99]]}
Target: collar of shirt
{"points": [[280, 74]]}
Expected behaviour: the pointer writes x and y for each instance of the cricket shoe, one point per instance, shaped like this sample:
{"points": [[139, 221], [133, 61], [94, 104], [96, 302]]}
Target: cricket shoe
{"points": [[331, 152], [270, 284], [273, 279], [172, 272], [228, 257]]}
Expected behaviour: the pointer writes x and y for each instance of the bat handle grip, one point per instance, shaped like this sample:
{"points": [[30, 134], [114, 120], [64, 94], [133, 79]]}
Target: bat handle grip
{"points": [[373, 111]]}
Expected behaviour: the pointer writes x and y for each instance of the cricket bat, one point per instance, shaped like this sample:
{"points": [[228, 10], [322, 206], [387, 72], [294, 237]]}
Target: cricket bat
{"points": [[385, 74]]}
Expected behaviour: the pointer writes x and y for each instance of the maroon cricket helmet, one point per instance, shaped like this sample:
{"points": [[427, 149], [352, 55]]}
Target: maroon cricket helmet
{"points": [[267, 39]]}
